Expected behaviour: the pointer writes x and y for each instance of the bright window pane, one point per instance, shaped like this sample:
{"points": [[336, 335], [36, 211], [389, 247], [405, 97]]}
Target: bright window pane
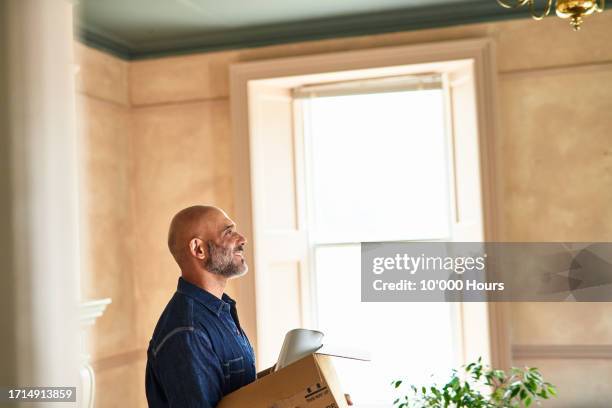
{"points": [[378, 172], [410, 341], [379, 167]]}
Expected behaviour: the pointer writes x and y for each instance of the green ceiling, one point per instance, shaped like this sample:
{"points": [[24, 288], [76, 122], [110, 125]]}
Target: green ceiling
{"points": [[135, 29]]}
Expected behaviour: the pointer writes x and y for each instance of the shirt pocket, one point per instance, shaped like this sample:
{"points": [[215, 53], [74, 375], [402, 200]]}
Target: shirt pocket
{"points": [[234, 372]]}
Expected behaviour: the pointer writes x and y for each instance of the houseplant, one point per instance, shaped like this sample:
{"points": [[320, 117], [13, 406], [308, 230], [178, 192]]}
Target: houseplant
{"points": [[479, 386]]}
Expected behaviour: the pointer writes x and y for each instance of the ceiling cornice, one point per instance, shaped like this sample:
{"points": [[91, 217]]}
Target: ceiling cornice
{"points": [[349, 26]]}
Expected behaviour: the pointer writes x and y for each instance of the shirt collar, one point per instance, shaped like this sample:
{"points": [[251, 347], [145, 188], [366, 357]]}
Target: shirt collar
{"points": [[209, 300]]}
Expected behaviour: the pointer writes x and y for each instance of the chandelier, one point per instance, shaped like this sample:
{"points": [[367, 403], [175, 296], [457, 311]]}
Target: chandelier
{"points": [[572, 9]]}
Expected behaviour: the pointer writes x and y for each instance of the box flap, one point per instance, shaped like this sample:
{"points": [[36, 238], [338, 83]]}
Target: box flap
{"points": [[344, 352], [331, 378]]}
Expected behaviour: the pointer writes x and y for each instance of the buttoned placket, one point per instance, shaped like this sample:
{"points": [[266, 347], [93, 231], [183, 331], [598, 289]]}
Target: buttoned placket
{"points": [[226, 317]]}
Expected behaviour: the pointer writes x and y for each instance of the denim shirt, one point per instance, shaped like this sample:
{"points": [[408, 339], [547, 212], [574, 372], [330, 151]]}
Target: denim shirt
{"points": [[198, 352]]}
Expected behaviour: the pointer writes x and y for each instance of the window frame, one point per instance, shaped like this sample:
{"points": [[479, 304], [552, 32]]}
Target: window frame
{"points": [[294, 71]]}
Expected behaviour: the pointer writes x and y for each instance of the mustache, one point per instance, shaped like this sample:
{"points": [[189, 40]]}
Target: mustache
{"points": [[239, 247]]}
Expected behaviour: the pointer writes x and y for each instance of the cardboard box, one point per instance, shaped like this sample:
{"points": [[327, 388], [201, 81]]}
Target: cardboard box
{"points": [[307, 383]]}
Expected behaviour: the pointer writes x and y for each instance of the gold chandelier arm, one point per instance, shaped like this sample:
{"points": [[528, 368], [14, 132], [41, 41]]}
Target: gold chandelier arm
{"points": [[514, 4], [546, 10]]}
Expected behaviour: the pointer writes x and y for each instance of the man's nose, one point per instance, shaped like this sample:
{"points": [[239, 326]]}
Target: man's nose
{"points": [[241, 239]]}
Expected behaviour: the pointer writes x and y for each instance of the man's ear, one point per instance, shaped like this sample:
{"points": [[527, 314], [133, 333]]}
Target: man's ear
{"points": [[196, 247]]}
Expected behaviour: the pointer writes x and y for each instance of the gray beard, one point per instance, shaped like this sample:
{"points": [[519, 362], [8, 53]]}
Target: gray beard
{"points": [[221, 262]]}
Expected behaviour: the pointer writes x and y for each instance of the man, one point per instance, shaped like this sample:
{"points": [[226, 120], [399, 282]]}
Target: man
{"points": [[199, 352]]}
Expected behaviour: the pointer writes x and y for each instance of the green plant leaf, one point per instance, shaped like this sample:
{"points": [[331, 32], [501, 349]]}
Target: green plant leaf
{"points": [[514, 389]]}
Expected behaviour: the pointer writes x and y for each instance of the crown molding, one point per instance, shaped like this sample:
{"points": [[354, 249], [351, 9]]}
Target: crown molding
{"points": [[103, 43], [367, 24]]}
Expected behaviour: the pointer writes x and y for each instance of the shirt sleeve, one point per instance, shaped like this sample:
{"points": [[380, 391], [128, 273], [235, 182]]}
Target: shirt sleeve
{"points": [[189, 371]]}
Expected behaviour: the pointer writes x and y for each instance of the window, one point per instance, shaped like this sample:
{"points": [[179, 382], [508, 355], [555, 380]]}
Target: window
{"points": [[378, 171], [294, 205]]}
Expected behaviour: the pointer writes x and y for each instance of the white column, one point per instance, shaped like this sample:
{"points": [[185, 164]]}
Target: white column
{"points": [[38, 196]]}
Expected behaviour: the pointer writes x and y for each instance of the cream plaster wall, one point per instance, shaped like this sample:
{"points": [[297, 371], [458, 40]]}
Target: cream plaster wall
{"points": [[140, 165], [157, 136], [104, 119], [107, 192], [180, 158]]}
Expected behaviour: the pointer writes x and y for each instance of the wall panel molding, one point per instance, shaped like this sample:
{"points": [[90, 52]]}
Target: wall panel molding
{"points": [[119, 359], [562, 352], [87, 96], [557, 70]]}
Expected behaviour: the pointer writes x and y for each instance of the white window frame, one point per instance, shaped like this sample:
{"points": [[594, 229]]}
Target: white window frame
{"points": [[246, 79]]}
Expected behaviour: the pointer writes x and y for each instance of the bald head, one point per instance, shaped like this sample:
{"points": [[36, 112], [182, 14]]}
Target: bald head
{"points": [[189, 223]]}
